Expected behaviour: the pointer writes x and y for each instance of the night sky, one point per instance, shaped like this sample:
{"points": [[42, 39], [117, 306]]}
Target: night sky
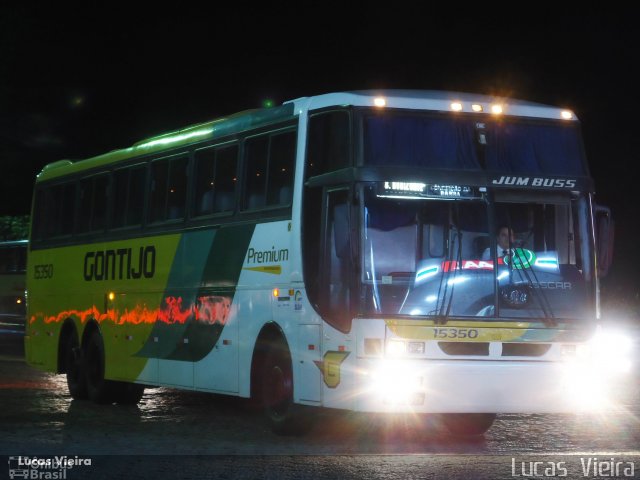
{"points": [[77, 83]]}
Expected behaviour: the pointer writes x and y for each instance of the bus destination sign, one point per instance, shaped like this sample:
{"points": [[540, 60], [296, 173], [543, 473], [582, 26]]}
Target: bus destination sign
{"points": [[425, 190]]}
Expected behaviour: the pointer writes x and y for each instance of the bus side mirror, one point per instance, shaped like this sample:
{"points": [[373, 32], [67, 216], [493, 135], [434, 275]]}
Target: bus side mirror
{"points": [[604, 226]]}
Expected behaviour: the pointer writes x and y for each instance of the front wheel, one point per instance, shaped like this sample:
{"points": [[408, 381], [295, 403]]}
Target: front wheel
{"points": [[282, 414], [468, 423]]}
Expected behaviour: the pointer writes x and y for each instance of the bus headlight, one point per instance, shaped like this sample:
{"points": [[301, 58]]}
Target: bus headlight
{"points": [[607, 351], [595, 373], [396, 383], [396, 348]]}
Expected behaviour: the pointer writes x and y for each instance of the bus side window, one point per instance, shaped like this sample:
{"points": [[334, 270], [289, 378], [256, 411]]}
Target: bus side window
{"points": [[168, 189], [137, 196], [216, 177], [205, 181], [92, 212], [226, 175], [120, 197], [84, 209], [128, 196], [328, 143], [282, 154], [255, 179], [100, 197], [177, 188], [54, 211], [269, 164]]}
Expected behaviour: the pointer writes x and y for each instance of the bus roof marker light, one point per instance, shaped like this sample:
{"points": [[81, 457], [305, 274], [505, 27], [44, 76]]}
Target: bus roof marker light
{"points": [[380, 102], [566, 114], [476, 107], [456, 106], [497, 109]]}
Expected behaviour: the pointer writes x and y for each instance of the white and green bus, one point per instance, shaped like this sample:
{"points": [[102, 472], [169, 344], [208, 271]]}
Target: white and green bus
{"points": [[335, 251]]}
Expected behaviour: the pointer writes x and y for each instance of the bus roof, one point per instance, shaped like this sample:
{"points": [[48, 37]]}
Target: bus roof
{"points": [[217, 128], [436, 100], [241, 121]]}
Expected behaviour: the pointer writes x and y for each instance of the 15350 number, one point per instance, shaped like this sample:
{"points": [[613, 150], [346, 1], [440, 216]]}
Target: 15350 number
{"points": [[43, 271], [455, 333]]}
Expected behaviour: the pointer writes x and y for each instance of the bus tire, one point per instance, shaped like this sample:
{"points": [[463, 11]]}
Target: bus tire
{"points": [[99, 390], [127, 393], [467, 424], [282, 414], [74, 368]]}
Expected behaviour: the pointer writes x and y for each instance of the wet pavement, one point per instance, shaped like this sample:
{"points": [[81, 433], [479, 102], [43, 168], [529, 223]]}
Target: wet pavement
{"points": [[189, 430]]}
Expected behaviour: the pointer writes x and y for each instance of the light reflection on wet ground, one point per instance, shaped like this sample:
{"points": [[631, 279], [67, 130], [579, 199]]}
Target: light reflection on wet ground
{"points": [[37, 416]]}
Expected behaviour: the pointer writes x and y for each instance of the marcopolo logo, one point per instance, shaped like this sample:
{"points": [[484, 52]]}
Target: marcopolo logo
{"points": [[123, 263]]}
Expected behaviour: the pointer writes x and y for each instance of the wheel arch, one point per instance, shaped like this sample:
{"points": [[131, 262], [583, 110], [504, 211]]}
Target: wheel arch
{"points": [[270, 333]]}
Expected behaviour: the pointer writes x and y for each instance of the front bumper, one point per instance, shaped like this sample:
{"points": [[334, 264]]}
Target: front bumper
{"points": [[473, 386]]}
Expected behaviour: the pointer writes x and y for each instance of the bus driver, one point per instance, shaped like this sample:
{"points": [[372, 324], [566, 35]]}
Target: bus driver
{"points": [[504, 238]]}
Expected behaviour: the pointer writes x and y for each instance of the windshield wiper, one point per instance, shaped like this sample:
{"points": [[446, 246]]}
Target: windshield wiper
{"points": [[443, 314], [526, 274]]}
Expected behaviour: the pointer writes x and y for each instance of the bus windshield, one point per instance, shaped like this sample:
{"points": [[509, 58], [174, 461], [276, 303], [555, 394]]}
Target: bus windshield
{"points": [[442, 258], [431, 140]]}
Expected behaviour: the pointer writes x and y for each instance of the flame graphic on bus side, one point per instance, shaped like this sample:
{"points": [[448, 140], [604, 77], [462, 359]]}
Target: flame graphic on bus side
{"points": [[207, 309]]}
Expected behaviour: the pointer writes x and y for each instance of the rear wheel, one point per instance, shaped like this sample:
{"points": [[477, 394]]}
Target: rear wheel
{"points": [[282, 414], [73, 364], [99, 390], [468, 423]]}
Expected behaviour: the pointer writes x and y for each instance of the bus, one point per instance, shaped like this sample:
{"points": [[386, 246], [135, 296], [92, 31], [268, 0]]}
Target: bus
{"points": [[13, 266], [330, 252]]}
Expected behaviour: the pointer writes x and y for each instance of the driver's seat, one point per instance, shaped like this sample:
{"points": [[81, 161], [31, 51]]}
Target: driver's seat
{"points": [[480, 244]]}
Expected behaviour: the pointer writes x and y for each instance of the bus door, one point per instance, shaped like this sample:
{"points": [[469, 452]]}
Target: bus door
{"points": [[338, 292]]}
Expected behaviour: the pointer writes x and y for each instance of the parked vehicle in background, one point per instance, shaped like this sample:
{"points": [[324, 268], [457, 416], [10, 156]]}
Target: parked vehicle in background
{"points": [[13, 264]]}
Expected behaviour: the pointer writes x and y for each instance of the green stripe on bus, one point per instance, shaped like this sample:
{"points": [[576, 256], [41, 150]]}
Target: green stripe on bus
{"points": [[219, 282], [190, 328], [186, 269]]}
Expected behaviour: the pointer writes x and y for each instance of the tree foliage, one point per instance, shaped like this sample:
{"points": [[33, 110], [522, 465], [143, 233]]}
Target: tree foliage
{"points": [[14, 228]]}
